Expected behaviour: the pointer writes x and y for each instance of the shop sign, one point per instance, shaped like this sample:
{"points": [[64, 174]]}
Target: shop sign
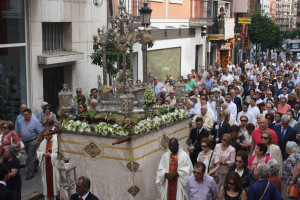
{"points": [[246, 43], [244, 20]]}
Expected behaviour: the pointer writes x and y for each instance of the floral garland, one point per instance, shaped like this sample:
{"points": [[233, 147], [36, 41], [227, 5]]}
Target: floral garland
{"points": [[115, 129]]}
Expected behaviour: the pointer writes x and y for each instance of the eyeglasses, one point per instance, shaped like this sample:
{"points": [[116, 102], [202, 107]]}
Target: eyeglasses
{"points": [[47, 108], [4, 127], [78, 91], [230, 183], [238, 161], [198, 173], [244, 120], [224, 139], [172, 93], [203, 146], [80, 107], [264, 138]]}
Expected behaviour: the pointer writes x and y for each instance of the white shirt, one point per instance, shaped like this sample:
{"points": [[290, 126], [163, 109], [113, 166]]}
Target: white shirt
{"points": [[232, 108], [251, 118], [84, 196], [254, 110], [2, 182], [228, 78], [209, 110]]}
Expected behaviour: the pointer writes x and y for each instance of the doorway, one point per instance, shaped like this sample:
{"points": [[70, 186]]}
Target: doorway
{"points": [[53, 78]]}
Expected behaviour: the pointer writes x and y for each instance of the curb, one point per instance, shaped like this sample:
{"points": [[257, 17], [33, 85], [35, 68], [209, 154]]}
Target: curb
{"points": [[34, 196]]}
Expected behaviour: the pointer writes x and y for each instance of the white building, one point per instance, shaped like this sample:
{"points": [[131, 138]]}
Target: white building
{"points": [[43, 44]]}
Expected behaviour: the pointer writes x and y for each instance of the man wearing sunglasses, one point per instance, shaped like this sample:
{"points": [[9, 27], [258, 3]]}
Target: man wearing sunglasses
{"points": [[201, 186], [76, 97]]}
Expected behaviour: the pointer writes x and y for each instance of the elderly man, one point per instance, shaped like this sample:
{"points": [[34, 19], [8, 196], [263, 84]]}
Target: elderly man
{"points": [[203, 72], [262, 187], [20, 117], [47, 154], [83, 185], [245, 112], [228, 117], [208, 120], [93, 104], [30, 132], [197, 134], [156, 86], [201, 186], [231, 106], [284, 133], [76, 97], [256, 135], [170, 85], [220, 127], [173, 171], [171, 98], [203, 102]]}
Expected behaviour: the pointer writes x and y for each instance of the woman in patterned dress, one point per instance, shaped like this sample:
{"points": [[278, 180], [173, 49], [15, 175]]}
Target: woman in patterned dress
{"points": [[207, 155], [226, 154], [289, 165], [9, 137]]}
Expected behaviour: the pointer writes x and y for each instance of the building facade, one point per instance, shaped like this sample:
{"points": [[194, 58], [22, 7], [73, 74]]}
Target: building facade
{"points": [[43, 44], [286, 14]]}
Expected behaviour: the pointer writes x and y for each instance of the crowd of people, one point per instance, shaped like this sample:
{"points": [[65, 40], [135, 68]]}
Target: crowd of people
{"points": [[245, 136]]}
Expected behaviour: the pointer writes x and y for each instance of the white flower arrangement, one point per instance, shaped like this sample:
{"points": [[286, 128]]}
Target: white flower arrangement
{"points": [[142, 126], [80, 126]]}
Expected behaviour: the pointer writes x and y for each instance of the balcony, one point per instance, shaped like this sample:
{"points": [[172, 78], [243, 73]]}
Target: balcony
{"points": [[222, 29], [201, 13]]}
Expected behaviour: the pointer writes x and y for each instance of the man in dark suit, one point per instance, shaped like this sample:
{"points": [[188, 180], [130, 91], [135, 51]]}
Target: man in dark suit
{"points": [[219, 128], [284, 133], [82, 190], [236, 100], [4, 192], [195, 139]]}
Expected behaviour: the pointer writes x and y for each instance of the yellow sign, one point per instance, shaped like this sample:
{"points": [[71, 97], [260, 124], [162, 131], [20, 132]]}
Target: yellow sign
{"points": [[225, 46], [244, 20], [213, 37], [246, 43]]}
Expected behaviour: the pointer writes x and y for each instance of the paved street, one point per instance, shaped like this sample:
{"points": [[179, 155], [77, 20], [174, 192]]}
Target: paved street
{"points": [[31, 189]]}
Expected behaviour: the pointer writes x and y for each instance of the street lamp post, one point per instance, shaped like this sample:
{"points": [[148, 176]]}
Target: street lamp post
{"points": [[145, 13]]}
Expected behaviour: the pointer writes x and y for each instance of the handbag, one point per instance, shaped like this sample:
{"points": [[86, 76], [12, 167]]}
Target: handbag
{"points": [[292, 191], [215, 176]]}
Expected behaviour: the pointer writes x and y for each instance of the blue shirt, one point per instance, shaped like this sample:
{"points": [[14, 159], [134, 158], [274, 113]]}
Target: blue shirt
{"points": [[157, 88], [209, 83], [206, 190], [257, 189], [20, 117], [30, 130]]}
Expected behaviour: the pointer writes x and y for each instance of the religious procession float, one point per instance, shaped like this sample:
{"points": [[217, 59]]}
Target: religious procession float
{"points": [[119, 145]]}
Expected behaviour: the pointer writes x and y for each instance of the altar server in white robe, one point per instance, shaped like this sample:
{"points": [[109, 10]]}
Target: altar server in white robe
{"points": [[173, 171], [47, 154]]}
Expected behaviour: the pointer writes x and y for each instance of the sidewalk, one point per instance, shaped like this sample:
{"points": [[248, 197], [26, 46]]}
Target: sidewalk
{"points": [[31, 189]]}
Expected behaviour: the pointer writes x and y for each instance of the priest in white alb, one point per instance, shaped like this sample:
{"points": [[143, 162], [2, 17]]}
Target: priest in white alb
{"points": [[173, 171], [47, 154]]}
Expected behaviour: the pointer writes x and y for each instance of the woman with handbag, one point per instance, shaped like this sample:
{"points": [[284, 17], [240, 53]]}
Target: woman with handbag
{"points": [[289, 166], [241, 168], [262, 189], [209, 158], [9, 137], [226, 154]]}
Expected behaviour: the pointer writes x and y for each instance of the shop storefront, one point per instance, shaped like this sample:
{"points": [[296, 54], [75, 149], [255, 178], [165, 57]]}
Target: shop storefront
{"points": [[13, 90]]}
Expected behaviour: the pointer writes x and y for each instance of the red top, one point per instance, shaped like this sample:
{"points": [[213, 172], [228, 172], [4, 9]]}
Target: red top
{"points": [[256, 136], [283, 110], [276, 179]]}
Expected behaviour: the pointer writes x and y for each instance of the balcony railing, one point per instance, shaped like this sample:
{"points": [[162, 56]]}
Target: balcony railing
{"points": [[201, 12], [223, 27]]}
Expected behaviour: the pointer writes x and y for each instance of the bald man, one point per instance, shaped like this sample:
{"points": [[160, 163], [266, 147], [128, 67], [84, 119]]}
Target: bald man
{"points": [[208, 120]]}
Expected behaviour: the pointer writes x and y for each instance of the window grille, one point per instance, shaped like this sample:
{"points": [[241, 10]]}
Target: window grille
{"points": [[52, 37]]}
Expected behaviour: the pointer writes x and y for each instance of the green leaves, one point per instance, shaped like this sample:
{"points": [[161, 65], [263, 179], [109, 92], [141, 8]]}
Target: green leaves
{"points": [[149, 96], [263, 31]]}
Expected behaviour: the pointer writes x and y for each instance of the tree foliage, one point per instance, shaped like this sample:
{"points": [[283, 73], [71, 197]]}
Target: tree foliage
{"points": [[290, 34], [111, 57], [263, 31]]}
